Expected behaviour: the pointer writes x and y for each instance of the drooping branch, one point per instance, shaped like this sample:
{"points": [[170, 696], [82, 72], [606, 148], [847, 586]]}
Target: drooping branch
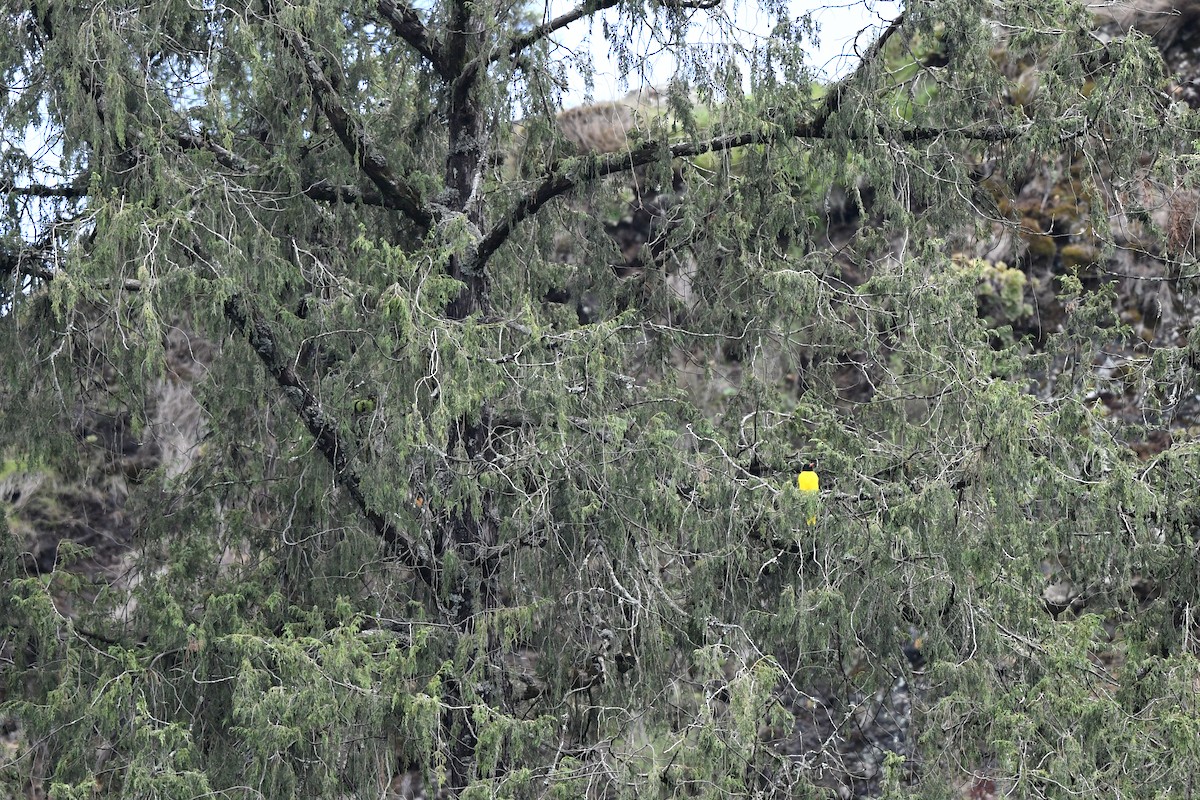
{"points": [[242, 314], [246, 319], [833, 99], [534, 36], [561, 179], [400, 194], [187, 139], [407, 24], [36, 261]]}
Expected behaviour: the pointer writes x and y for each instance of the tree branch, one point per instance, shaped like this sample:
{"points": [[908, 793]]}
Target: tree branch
{"points": [[240, 312], [559, 181], [324, 191], [407, 24], [833, 100], [250, 322], [373, 163], [70, 190], [392, 194], [19, 263], [225, 157], [319, 191], [10, 264], [547, 28]]}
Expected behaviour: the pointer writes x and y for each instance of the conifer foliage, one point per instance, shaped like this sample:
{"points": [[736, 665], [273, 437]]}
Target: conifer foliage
{"points": [[364, 435]]}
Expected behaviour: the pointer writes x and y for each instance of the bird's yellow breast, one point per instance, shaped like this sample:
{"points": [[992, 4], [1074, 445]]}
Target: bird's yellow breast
{"points": [[808, 481]]}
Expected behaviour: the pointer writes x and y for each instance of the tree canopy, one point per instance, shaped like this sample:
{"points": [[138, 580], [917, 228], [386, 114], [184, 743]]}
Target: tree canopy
{"points": [[373, 428]]}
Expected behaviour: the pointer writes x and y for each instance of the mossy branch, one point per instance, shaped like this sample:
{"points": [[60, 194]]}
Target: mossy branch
{"points": [[370, 159], [407, 24], [240, 311], [562, 179]]}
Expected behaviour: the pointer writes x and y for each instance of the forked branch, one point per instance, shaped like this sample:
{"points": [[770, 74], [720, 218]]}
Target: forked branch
{"points": [[407, 24], [370, 159]]}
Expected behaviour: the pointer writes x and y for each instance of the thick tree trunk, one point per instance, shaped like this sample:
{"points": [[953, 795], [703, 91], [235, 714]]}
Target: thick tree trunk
{"points": [[463, 47], [473, 537]]}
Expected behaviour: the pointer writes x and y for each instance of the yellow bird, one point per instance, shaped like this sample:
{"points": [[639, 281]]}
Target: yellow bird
{"points": [[808, 481]]}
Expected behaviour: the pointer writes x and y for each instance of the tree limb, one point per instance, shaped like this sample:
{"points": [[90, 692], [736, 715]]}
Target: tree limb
{"points": [[324, 191], [240, 311], [225, 157], [560, 180], [399, 193], [407, 24], [833, 99], [250, 322], [19, 263], [70, 190], [525, 40], [319, 191]]}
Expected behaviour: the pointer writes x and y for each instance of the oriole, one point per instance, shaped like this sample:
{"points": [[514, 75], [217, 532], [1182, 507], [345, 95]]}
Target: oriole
{"points": [[808, 481]]}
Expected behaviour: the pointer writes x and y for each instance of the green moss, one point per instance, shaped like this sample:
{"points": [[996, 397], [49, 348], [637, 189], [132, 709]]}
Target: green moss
{"points": [[1079, 255], [999, 284], [1068, 214], [1040, 245]]}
